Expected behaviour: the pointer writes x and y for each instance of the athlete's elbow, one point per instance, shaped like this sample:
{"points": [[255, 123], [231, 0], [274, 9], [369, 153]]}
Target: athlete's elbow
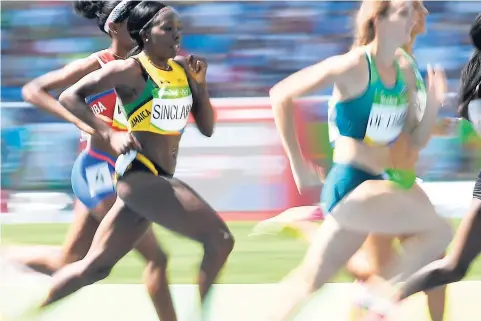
{"points": [[67, 98], [207, 131], [279, 97], [275, 94], [30, 92]]}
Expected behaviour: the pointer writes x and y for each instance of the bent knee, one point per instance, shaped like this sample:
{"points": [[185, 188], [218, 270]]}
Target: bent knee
{"points": [[221, 243], [361, 268], [158, 260], [155, 268]]}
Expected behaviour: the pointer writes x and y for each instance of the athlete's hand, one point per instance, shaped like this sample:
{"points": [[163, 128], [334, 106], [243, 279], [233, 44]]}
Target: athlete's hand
{"points": [[122, 142], [306, 175], [197, 68], [437, 84]]}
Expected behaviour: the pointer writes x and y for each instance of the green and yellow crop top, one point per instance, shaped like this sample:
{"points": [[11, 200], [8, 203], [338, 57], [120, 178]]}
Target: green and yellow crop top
{"points": [[165, 103]]}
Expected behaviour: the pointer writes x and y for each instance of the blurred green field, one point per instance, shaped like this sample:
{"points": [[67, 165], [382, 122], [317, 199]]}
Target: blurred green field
{"points": [[254, 260]]}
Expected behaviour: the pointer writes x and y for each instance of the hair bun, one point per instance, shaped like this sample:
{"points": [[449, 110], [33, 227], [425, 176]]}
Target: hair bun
{"points": [[88, 9]]}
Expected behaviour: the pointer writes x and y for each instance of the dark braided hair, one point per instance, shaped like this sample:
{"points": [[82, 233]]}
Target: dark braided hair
{"points": [[471, 73], [101, 10], [140, 20]]}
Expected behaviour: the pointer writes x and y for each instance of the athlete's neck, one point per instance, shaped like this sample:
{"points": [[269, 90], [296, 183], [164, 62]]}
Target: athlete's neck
{"points": [[383, 55], [118, 50], [409, 46], [160, 63]]}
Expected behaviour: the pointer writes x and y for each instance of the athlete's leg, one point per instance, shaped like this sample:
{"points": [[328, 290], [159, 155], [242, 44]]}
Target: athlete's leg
{"points": [[376, 251], [373, 207], [100, 203], [155, 275], [300, 222], [401, 216], [171, 203], [48, 259], [369, 260], [117, 234], [93, 201], [466, 246], [436, 298], [181, 210]]}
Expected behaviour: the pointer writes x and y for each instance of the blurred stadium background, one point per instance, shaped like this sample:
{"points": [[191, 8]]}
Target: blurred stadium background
{"points": [[241, 170]]}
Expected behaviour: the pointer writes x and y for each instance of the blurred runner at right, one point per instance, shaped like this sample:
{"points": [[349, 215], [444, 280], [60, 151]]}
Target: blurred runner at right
{"points": [[467, 243], [377, 250], [364, 193]]}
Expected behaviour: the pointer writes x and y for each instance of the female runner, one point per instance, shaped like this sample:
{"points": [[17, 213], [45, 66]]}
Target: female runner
{"points": [[377, 250], [158, 91], [92, 172], [467, 243], [372, 94]]}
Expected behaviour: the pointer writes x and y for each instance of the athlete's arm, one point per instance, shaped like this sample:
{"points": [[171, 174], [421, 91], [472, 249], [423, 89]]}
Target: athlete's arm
{"points": [[323, 74], [116, 74], [36, 91], [445, 126], [436, 91], [202, 110]]}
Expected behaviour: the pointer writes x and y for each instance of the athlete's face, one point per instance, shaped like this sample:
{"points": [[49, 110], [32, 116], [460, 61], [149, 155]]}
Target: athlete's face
{"points": [[397, 24], [420, 13], [164, 36]]}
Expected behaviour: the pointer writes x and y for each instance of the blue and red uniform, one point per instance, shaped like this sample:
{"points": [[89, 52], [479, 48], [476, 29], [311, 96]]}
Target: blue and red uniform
{"points": [[93, 170]]}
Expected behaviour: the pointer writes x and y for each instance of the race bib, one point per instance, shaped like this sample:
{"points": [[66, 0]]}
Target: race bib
{"points": [[386, 120], [99, 179], [119, 117], [171, 107]]}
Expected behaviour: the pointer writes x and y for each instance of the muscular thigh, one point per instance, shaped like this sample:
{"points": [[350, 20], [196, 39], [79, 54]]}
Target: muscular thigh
{"points": [[171, 203], [117, 234], [381, 207]]}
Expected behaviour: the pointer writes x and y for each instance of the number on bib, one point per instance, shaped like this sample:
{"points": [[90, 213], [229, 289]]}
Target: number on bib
{"points": [[99, 179], [119, 115]]}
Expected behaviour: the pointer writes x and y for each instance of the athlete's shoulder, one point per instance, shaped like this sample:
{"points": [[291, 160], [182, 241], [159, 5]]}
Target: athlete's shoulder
{"points": [[355, 55], [180, 60], [103, 56], [349, 63], [127, 67], [408, 69], [82, 65], [403, 59]]}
